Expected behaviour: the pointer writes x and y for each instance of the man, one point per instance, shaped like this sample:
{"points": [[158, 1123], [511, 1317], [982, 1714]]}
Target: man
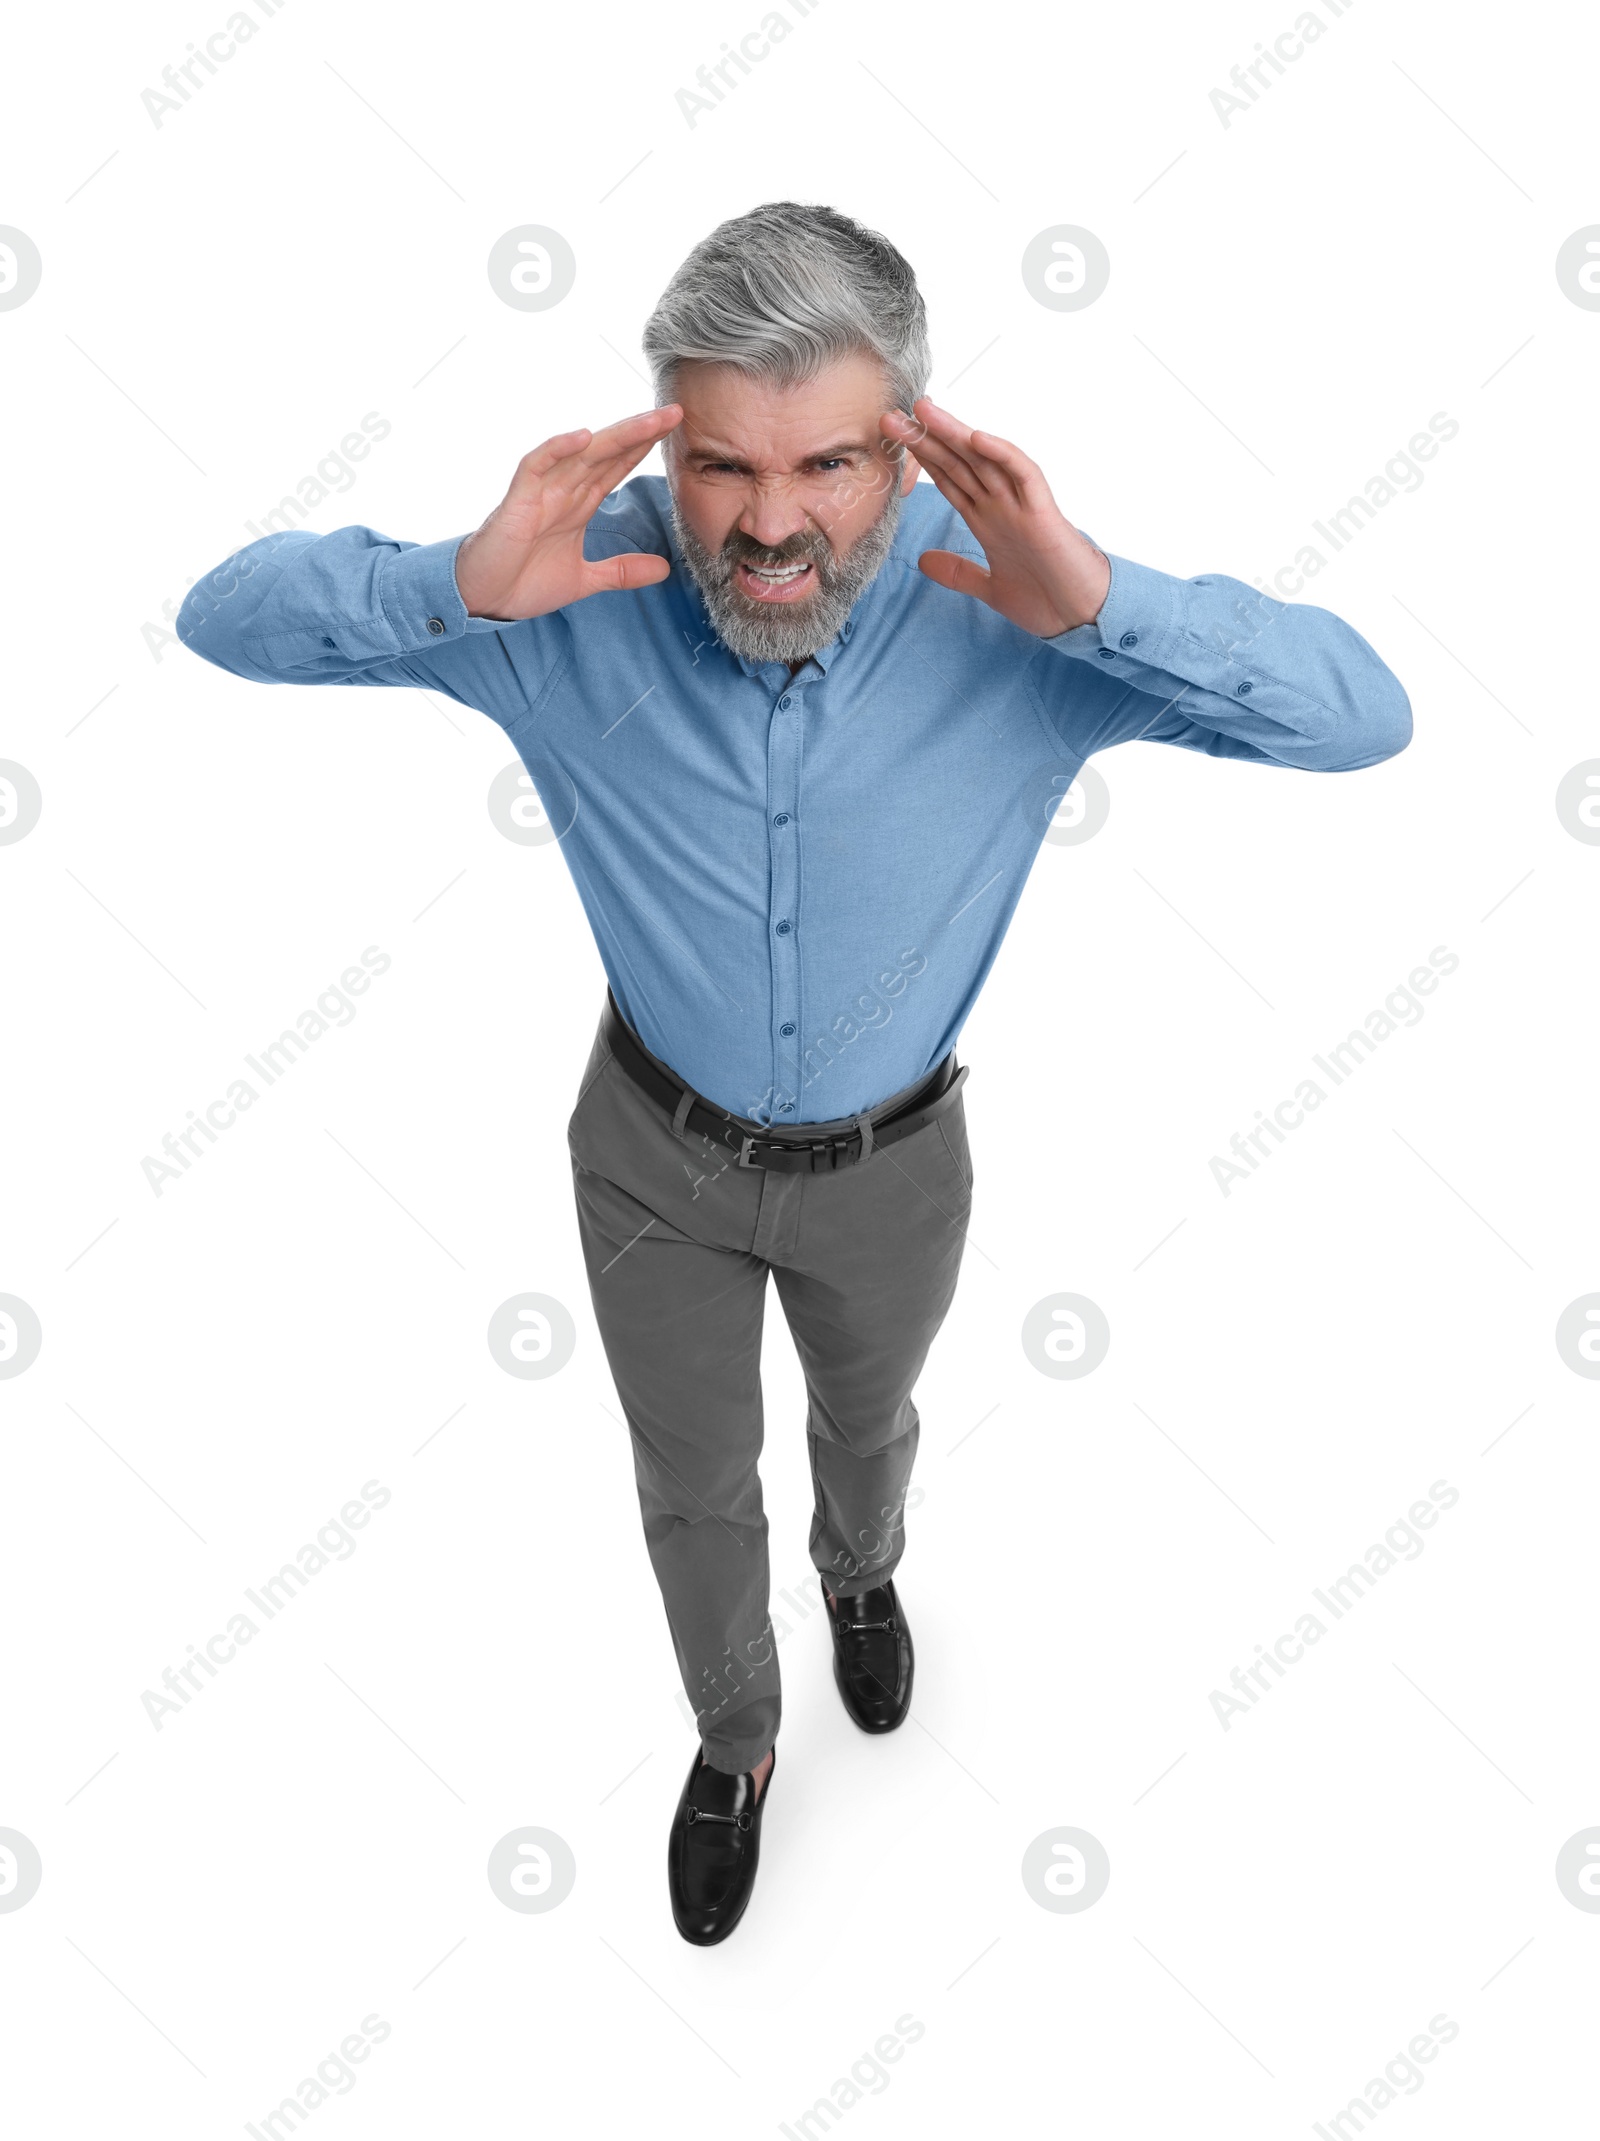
{"points": [[800, 721]]}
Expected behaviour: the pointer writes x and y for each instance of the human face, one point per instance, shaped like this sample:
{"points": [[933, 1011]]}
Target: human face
{"points": [[785, 500]]}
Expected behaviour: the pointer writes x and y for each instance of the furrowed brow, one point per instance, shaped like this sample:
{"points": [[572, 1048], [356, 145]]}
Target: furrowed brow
{"points": [[706, 452], [835, 453]]}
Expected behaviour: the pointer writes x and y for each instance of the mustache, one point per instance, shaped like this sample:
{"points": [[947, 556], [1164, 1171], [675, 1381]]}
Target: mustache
{"points": [[789, 631], [805, 546]]}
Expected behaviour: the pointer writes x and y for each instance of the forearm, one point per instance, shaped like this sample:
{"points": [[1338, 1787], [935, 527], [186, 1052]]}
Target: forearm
{"points": [[302, 608], [1283, 681]]}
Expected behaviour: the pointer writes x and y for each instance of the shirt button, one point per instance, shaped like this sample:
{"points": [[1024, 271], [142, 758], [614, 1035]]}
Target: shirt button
{"points": [[784, 703], [787, 1028], [846, 629], [782, 818], [785, 1107], [784, 928], [435, 626], [1128, 639], [1245, 690], [1107, 654]]}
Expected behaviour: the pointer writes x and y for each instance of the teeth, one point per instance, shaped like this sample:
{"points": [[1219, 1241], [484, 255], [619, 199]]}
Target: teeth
{"points": [[775, 572]]}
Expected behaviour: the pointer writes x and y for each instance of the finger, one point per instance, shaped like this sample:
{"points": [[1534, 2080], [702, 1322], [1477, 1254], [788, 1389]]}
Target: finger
{"points": [[634, 568], [900, 431], [594, 475], [955, 437], [537, 464], [584, 487], [967, 506], [903, 430], [1026, 476], [632, 435], [949, 482], [932, 449], [1002, 468], [570, 494], [957, 573], [571, 455], [949, 470]]}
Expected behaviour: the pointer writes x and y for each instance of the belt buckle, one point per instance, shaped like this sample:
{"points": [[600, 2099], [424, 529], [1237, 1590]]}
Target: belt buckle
{"points": [[827, 1153]]}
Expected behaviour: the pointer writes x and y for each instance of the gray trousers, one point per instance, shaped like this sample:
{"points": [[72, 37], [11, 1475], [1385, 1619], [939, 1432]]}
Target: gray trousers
{"points": [[679, 1241]]}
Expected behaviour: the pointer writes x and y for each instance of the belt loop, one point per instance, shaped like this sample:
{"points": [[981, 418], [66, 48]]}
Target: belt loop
{"points": [[681, 1116], [864, 1125]]}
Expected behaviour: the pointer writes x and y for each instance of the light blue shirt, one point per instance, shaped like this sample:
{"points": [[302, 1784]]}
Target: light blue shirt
{"points": [[798, 886]]}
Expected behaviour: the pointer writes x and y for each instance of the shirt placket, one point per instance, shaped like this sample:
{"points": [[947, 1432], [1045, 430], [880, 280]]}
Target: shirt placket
{"points": [[783, 915]]}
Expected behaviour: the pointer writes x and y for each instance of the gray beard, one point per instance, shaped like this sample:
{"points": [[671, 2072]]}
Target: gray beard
{"points": [[785, 632]]}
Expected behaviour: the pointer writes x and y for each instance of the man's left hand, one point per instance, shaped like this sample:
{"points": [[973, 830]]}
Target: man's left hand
{"points": [[1042, 573]]}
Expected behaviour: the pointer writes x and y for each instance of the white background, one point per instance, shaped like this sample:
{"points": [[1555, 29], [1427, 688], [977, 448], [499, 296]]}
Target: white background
{"points": [[1373, 1844]]}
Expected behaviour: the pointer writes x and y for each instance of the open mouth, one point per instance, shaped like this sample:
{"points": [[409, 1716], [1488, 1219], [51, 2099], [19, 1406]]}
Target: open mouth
{"points": [[776, 583]]}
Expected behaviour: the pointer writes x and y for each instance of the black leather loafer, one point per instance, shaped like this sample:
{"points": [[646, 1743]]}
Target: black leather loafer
{"points": [[713, 1850], [872, 1657]]}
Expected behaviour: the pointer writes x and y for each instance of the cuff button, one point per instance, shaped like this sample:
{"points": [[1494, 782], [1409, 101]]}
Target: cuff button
{"points": [[436, 626], [1128, 639]]}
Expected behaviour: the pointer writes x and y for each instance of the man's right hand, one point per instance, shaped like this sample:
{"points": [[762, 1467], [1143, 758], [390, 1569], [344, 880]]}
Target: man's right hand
{"points": [[527, 558]]}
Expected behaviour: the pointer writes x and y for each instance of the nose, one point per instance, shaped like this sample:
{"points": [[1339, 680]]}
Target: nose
{"points": [[772, 514]]}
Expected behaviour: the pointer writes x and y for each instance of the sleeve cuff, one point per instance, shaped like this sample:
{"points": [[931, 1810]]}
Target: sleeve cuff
{"points": [[421, 602], [1136, 620]]}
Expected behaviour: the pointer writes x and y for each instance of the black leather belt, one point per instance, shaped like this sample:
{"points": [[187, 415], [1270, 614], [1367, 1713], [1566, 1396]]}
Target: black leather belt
{"points": [[782, 1153]]}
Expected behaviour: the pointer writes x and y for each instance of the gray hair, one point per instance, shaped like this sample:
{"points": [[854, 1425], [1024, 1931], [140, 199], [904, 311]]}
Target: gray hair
{"points": [[784, 290]]}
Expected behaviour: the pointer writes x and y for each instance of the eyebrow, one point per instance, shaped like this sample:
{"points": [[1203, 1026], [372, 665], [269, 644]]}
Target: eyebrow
{"points": [[821, 453]]}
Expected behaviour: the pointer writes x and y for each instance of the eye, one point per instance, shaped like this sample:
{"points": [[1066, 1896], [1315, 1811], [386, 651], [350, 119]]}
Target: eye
{"points": [[827, 466]]}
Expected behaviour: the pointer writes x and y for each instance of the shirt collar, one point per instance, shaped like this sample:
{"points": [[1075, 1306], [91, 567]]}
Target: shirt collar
{"points": [[824, 656]]}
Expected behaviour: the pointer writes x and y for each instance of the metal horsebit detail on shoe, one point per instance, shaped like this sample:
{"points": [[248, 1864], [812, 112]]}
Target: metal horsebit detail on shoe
{"points": [[734, 1821]]}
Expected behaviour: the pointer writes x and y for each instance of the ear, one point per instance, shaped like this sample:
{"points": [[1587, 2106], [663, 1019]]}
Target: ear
{"points": [[910, 472]]}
